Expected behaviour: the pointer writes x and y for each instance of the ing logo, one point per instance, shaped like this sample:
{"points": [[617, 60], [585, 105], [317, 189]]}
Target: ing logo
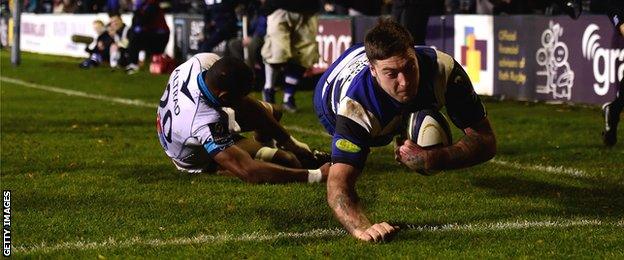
{"points": [[558, 77], [473, 54]]}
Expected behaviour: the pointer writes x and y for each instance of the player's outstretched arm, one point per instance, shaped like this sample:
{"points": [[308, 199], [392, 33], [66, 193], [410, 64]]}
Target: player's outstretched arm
{"points": [[240, 164], [478, 145], [344, 202]]}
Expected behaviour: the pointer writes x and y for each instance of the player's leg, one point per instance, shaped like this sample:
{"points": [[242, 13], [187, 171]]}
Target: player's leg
{"points": [[268, 154], [305, 54], [612, 112], [292, 75], [276, 51]]}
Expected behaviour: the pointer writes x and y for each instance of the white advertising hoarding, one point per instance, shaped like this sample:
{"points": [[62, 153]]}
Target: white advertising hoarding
{"points": [[474, 49], [51, 33]]}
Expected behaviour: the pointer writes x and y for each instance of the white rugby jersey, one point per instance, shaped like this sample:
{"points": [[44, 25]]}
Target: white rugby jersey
{"points": [[192, 126]]}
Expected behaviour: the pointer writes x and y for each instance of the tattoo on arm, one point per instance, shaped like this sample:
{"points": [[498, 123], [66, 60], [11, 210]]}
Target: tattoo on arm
{"points": [[474, 148]]}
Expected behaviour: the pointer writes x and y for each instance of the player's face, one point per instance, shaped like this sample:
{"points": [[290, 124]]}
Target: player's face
{"points": [[398, 76]]}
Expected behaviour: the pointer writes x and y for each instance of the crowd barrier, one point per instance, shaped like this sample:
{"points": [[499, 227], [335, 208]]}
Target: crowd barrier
{"points": [[518, 57]]}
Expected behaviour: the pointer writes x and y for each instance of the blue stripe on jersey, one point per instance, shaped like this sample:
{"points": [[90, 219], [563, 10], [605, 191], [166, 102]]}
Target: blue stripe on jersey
{"points": [[213, 148], [212, 100]]}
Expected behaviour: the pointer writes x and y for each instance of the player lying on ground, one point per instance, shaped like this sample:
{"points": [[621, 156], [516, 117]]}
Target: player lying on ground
{"points": [[362, 100], [205, 105]]}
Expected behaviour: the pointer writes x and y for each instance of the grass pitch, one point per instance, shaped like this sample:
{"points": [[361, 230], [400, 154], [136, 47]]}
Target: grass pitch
{"points": [[89, 179]]}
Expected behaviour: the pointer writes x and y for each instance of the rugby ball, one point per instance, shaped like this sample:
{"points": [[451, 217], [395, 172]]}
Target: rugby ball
{"points": [[428, 128]]}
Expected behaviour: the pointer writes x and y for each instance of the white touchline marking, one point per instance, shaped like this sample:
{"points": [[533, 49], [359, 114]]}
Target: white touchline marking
{"points": [[315, 233], [542, 168], [140, 103], [69, 92]]}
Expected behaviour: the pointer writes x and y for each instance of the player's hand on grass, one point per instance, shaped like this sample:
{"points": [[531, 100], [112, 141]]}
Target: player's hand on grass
{"points": [[379, 232]]}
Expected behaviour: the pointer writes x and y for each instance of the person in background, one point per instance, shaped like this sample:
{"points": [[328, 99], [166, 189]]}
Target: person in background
{"points": [[253, 42], [118, 31], [149, 32], [414, 16], [612, 110], [100, 51], [290, 46], [220, 23]]}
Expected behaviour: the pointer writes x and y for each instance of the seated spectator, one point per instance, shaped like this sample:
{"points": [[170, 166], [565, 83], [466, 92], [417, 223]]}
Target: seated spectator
{"points": [[118, 31], [100, 51]]}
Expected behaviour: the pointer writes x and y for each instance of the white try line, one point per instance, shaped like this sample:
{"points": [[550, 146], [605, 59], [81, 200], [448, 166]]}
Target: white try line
{"points": [[69, 92], [135, 102], [111, 243]]}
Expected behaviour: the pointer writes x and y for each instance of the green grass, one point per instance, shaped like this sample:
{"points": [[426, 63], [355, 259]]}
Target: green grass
{"points": [[85, 170]]}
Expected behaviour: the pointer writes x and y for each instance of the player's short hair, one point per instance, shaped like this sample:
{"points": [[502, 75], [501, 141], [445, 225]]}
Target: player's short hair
{"points": [[231, 75], [386, 39]]}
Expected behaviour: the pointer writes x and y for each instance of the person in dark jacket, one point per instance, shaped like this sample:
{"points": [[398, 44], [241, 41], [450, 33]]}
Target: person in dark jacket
{"points": [[220, 23], [100, 51], [149, 32]]}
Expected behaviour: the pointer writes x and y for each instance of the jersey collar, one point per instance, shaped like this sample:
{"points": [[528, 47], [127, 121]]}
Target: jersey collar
{"points": [[210, 97]]}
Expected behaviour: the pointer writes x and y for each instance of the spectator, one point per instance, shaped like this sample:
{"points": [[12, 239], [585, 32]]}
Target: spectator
{"points": [[290, 46], [414, 16], [149, 32], [255, 38], [220, 23], [118, 31], [100, 51]]}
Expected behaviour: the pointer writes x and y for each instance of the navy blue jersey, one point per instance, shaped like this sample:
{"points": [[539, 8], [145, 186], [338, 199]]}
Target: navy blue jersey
{"points": [[359, 114]]}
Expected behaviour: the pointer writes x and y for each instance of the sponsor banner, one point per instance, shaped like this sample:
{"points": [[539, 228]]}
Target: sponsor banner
{"points": [[474, 50], [514, 57], [51, 33], [333, 38], [578, 61], [557, 58]]}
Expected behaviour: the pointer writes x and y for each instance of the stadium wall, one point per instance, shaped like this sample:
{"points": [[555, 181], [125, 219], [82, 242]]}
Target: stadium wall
{"points": [[534, 58]]}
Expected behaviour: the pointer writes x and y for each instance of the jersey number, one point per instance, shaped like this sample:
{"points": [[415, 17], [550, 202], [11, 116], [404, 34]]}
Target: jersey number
{"points": [[167, 120]]}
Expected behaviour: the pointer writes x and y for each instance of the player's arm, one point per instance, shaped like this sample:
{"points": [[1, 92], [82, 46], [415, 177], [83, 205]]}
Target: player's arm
{"points": [[349, 153], [343, 200], [240, 163], [476, 146], [468, 113]]}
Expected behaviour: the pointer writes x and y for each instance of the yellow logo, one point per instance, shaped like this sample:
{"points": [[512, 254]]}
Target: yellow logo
{"points": [[347, 146]]}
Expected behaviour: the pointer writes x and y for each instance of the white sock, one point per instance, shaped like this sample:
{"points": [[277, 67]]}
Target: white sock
{"points": [[314, 176], [268, 76]]}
